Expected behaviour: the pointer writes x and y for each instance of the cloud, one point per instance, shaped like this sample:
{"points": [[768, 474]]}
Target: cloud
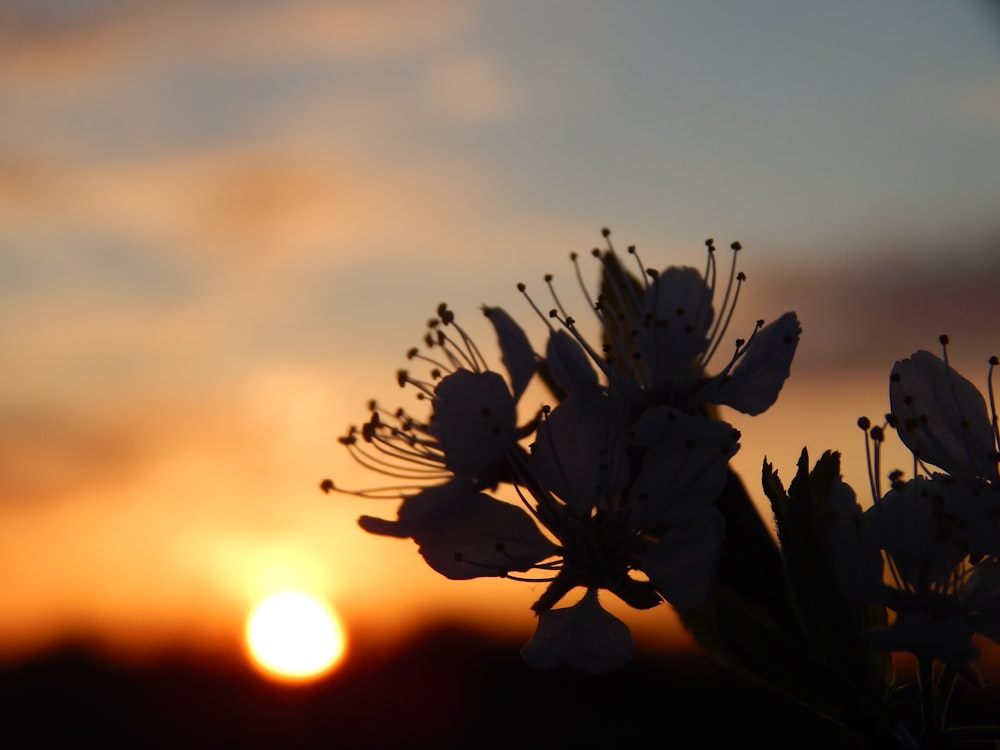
{"points": [[472, 88], [107, 43], [867, 315]]}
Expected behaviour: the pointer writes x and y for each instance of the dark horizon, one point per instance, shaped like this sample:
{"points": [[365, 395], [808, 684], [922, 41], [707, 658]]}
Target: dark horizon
{"points": [[448, 687]]}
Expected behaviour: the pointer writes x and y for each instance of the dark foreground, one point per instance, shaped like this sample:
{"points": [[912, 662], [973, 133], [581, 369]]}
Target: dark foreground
{"points": [[449, 688]]}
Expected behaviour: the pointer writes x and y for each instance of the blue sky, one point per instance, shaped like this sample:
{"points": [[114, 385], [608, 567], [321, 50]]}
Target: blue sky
{"points": [[223, 223]]}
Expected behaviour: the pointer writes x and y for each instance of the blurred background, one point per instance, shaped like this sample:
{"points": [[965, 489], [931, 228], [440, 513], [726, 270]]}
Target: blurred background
{"points": [[223, 223]]}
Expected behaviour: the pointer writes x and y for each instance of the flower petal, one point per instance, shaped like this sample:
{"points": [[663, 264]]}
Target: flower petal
{"points": [[475, 417], [584, 636], [857, 555], [682, 564], [516, 352], [685, 466], [570, 365], [679, 309], [942, 417], [414, 508], [480, 536], [579, 455], [754, 383]]}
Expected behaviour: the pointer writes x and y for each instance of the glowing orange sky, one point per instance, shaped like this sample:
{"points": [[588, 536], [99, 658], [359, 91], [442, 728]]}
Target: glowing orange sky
{"points": [[223, 224]]}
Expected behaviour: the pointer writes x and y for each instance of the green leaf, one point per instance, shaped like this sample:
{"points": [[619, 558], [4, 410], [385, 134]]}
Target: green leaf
{"points": [[853, 679]]}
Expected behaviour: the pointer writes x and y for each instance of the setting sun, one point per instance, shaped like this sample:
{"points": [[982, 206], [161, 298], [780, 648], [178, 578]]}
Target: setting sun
{"points": [[295, 636]]}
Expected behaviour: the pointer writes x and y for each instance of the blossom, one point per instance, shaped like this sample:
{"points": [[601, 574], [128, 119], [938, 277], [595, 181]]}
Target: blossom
{"points": [[657, 517], [660, 332], [461, 450], [940, 595], [943, 420], [646, 532], [613, 489], [937, 531], [942, 417]]}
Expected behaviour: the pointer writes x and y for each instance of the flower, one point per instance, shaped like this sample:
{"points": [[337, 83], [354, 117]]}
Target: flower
{"points": [[612, 489], [940, 595], [942, 417], [657, 517], [613, 520], [461, 450], [659, 333], [938, 531]]}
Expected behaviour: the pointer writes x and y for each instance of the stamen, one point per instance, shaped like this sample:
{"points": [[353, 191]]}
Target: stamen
{"points": [[994, 361], [436, 367], [726, 310], [741, 349], [471, 354], [425, 467], [570, 325], [865, 424], [555, 297], [878, 436], [710, 273], [579, 279], [644, 272], [504, 573], [404, 379], [375, 493], [524, 291]]}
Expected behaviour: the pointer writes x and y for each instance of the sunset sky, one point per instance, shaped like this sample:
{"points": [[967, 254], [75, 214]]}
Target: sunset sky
{"points": [[223, 223]]}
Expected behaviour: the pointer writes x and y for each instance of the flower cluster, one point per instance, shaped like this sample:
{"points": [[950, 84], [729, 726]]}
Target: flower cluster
{"points": [[618, 482], [611, 484], [929, 547]]}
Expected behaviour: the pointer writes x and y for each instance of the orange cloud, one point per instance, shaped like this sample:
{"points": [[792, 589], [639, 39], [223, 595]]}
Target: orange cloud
{"points": [[101, 48]]}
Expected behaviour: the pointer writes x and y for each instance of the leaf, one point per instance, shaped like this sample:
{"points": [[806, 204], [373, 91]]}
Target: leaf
{"points": [[852, 680]]}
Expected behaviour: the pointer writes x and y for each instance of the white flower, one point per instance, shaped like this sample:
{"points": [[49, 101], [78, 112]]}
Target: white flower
{"points": [[624, 498], [464, 448], [613, 489], [583, 635], [942, 418], [659, 334], [928, 579], [937, 533]]}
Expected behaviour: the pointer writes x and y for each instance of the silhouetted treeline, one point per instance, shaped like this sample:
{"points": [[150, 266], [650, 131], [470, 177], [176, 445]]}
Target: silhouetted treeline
{"points": [[448, 688]]}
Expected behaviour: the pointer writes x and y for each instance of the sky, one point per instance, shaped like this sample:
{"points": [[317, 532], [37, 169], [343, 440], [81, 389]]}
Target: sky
{"points": [[223, 223]]}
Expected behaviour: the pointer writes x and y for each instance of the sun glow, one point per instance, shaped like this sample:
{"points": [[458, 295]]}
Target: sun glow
{"points": [[294, 636]]}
